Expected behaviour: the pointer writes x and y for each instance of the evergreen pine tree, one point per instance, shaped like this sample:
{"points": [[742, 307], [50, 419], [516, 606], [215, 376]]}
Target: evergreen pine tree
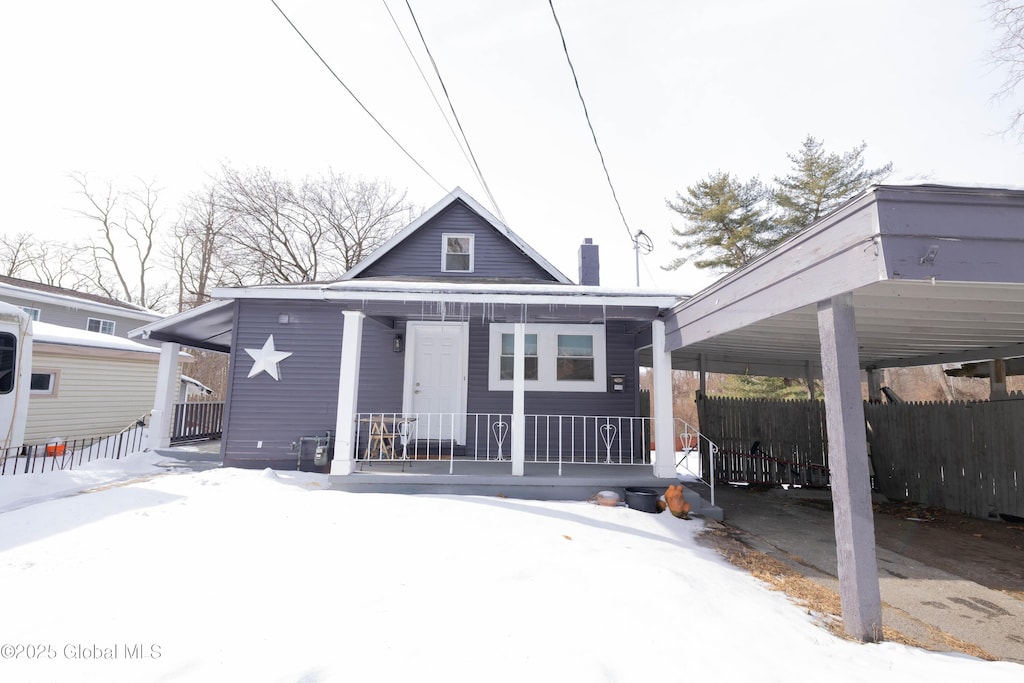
{"points": [[727, 222], [818, 184]]}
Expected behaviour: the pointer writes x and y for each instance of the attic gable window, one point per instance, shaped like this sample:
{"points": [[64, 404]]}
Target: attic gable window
{"points": [[457, 255]]}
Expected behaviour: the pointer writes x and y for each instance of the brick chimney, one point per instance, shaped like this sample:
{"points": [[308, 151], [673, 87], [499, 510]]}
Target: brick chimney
{"points": [[590, 263]]}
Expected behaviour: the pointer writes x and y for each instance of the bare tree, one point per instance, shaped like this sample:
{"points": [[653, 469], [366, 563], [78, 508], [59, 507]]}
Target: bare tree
{"points": [[1008, 18], [16, 253], [121, 251], [315, 231], [198, 239]]}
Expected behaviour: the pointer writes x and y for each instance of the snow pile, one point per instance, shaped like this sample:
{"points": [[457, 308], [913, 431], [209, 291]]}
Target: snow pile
{"points": [[245, 575]]}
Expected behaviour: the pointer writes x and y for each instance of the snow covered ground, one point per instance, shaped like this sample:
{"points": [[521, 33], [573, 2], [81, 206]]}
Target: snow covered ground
{"points": [[260, 576]]}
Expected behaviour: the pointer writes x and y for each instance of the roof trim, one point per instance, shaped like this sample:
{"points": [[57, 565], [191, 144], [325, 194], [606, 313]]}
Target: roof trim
{"points": [[499, 293], [457, 194], [44, 293], [144, 331]]}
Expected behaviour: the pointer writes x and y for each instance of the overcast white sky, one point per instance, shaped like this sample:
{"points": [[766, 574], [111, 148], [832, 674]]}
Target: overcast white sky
{"points": [[167, 91]]}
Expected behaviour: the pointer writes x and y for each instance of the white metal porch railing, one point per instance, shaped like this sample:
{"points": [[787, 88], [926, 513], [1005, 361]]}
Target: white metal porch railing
{"points": [[554, 439]]}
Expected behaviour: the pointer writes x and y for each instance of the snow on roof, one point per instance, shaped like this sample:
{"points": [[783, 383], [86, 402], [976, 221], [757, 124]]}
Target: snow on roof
{"points": [[69, 336], [496, 292]]}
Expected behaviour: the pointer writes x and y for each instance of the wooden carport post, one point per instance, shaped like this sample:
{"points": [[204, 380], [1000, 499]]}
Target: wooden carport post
{"points": [[848, 463]]}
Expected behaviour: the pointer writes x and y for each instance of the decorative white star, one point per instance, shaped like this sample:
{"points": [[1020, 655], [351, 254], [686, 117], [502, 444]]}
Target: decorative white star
{"points": [[266, 359]]}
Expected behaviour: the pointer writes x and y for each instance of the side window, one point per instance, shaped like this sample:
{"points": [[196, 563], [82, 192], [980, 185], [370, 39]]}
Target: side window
{"points": [[8, 362], [100, 325], [32, 312], [44, 383], [457, 253]]}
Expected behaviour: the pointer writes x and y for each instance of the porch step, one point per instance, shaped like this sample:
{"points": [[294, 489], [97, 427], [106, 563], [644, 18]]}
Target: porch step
{"points": [[539, 483]]}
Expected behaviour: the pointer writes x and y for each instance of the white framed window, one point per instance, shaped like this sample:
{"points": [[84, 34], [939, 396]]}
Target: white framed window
{"points": [[45, 382], [32, 312], [100, 325], [457, 253], [565, 357]]}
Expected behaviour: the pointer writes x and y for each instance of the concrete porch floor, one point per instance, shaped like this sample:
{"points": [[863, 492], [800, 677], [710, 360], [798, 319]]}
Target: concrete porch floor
{"points": [[541, 481]]}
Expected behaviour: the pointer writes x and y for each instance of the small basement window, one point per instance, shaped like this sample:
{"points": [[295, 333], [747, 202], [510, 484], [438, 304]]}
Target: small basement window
{"points": [[457, 256], [100, 325], [44, 383]]}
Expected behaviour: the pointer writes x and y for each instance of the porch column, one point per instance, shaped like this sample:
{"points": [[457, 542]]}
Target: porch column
{"points": [[848, 462], [661, 400], [519, 402], [348, 393], [163, 403]]}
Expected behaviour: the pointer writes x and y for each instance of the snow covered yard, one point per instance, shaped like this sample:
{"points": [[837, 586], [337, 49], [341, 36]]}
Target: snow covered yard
{"points": [[245, 575]]}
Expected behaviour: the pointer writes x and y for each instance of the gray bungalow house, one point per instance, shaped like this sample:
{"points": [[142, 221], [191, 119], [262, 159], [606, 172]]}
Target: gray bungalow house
{"points": [[456, 343]]}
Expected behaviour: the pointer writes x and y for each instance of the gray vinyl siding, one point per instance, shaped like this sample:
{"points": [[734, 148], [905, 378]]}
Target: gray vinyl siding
{"points": [[77, 318], [304, 401], [419, 255]]}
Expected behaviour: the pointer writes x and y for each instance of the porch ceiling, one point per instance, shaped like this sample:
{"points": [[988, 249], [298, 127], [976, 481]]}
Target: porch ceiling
{"points": [[935, 272]]}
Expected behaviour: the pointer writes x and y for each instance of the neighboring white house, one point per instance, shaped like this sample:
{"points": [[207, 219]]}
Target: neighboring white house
{"points": [[87, 378], [87, 384]]}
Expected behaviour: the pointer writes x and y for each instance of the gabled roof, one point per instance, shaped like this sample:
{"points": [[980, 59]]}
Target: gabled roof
{"points": [[52, 293], [458, 194]]}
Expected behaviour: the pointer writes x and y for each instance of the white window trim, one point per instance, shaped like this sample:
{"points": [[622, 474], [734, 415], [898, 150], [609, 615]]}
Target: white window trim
{"points": [[54, 383], [547, 358], [113, 325], [32, 311], [444, 251]]}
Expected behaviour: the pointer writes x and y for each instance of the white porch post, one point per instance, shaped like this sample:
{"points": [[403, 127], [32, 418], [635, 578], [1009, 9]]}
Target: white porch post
{"points": [[661, 398], [848, 464], [348, 393], [519, 402], [163, 403]]}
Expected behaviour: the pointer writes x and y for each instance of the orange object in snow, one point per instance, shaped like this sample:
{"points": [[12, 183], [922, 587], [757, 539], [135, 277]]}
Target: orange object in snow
{"points": [[676, 502]]}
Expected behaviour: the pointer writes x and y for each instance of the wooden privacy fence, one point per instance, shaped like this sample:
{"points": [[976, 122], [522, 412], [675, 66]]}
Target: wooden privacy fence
{"points": [[965, 457], [764, 441]]}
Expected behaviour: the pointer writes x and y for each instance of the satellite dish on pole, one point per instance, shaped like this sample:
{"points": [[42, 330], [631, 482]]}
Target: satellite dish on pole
{"points": [[641, 243]]}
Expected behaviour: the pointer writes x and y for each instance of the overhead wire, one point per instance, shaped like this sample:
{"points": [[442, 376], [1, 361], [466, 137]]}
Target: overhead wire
{"points": [[586, 114], [433, 95], [455, 115], [354, 97]]}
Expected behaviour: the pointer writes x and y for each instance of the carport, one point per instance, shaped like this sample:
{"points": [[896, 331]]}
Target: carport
{"points": [[899, 276]]}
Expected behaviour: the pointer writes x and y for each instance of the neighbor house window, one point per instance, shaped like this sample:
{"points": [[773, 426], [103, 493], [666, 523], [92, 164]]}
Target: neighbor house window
{"points": [[508, 357], [44, 382], [32, 312], [557, 357], [8, 362], [458, 253], [101, 326]]}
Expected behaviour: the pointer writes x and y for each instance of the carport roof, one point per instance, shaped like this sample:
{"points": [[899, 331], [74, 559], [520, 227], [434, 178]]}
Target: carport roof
{"points": [[936, 274]]}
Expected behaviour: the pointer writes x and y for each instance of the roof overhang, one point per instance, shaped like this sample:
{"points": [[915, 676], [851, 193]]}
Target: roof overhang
{"points": [[210, 326], [935, 274]]}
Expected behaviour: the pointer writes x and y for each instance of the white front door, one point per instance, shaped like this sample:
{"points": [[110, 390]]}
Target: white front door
{"points": [[436, 373]]}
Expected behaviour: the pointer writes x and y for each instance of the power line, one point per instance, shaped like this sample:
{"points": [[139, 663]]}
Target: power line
{"points": [[586, 113], [358, 101], [426, 82], [444, 88]]}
